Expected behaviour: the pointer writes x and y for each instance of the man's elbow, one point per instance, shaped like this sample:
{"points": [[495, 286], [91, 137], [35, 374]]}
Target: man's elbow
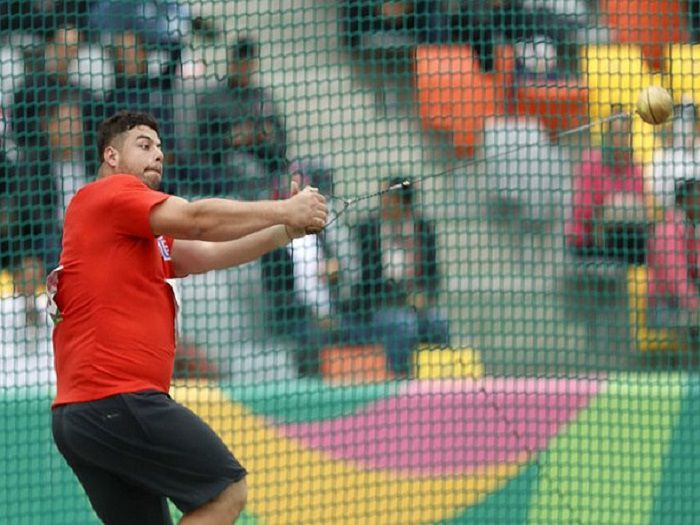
{"points": [[192, 223]]}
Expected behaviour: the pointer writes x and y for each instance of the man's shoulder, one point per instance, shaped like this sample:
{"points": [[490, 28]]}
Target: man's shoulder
{"points": [[106, 186]]}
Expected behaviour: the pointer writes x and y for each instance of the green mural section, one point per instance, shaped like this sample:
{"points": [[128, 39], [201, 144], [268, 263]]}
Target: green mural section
{"points": [[507, 506], [630, 457], [299, 400], [678, 499], [36, 486], [607, 466]]}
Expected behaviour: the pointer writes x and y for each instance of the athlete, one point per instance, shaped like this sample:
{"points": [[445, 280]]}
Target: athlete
{"points": [[130, 445]]}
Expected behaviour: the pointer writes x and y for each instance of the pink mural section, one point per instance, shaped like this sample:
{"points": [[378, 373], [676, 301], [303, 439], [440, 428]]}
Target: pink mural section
{"points": [[445, 428]]}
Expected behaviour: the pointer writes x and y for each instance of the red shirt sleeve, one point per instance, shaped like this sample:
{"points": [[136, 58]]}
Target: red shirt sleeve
{"points": [[131, 205]]}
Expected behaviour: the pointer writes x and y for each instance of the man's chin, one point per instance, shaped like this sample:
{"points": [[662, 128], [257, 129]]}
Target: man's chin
{"points": [[152, 180]]}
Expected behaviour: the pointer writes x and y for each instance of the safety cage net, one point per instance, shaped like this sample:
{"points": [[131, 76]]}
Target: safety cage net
{"points": [[499, 322]]}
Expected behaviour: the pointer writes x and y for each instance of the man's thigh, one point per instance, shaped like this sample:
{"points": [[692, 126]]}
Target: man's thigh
{"points": [[148, 441], [116, 502]]}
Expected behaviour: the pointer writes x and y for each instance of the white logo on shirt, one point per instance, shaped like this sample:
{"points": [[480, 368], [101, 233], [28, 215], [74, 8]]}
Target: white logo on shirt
{"points": [[163, 247]]}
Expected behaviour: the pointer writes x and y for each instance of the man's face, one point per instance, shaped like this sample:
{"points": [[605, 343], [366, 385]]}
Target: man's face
{"points": [[138, 152]]}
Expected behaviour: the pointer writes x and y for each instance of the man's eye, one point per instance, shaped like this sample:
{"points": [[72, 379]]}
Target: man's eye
{"points": [[145, 146]]}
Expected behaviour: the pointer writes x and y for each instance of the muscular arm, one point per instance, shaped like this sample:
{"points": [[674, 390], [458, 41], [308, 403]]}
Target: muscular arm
{"points": [[190, 257], [226, 220], [215, 219], [218, 233]]}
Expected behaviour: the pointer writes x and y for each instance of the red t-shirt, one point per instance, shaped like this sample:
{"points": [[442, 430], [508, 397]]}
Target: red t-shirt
{"points": [[117, 327]]}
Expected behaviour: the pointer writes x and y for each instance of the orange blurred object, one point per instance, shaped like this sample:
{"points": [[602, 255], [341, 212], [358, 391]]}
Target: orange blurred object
{"points": [[355, 364], [653, 24], [454, 95], [561, 105]]}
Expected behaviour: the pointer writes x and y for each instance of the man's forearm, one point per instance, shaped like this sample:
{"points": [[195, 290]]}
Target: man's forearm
{"points": [[192, 257], [223, 220]]}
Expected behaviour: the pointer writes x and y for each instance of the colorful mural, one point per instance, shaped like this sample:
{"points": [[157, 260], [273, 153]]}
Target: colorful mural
{"points": [[498, 450]]}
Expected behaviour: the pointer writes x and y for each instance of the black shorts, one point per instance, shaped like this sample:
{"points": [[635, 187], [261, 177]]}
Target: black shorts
{"points": [[132, 451]]}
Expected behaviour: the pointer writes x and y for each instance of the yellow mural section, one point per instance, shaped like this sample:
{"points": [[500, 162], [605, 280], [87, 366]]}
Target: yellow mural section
{"points": [[292, 484]]}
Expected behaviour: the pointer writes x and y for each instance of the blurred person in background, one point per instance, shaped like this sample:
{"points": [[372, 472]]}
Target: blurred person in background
{"points": [[674, 264], [366, 23], [483, 23], [608, 219], [679, 158], [68, 158], [161, 24], [47, 79], [241, 138], [29, 242], [301, 280], [395, 300], [135, 89]]}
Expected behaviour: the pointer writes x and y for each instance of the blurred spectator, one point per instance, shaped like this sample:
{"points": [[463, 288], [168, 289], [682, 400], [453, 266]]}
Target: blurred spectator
{"points": [[135, 90], [678, 160], [674, 263], [67, 153], [46, 81], [22, 254], [26, 357], [537, 58], [483, 23], [241, 137], [29, 207], [160, 24], [367, 24], [609, 216], [33, 214], [8, 223], [300, 281], [319, 172], [395, 301]]}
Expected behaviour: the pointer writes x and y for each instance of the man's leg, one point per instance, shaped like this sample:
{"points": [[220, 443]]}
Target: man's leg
{"points": [[114, 501], [149, 441], [224, 509]]}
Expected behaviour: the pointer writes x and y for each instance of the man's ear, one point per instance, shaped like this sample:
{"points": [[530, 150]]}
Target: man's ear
{"points": [[110, 156]]}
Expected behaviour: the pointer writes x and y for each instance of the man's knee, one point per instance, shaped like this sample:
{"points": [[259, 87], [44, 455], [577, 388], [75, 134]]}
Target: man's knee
{"points": [[234, 497], [225, 508]]}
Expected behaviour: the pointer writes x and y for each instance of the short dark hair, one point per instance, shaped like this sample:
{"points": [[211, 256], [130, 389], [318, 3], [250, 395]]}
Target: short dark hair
{"points": [[119, 123], [244, 48]]}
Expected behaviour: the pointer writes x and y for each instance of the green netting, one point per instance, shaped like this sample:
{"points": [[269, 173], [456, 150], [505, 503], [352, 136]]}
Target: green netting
{"points": [[500, 322]]}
